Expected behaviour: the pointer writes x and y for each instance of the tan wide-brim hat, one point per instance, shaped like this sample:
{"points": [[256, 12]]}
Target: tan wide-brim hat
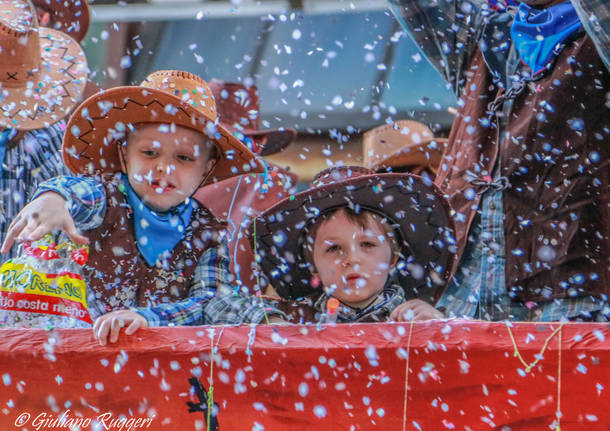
{"points": [[103, 121], [402, 143], [43, 72], [68, 16]]}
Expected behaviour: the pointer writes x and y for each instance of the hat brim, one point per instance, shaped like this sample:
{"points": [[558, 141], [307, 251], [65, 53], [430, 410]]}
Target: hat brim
{"points": [[277, 139], [416, 209], [416, 155], [51, 93], [90, 144]]}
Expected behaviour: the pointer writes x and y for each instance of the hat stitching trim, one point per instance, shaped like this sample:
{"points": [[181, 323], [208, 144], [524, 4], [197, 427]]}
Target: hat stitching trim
{"points": [[91, 120]]}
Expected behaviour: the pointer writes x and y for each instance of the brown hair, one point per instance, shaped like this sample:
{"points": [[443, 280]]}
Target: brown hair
{"points": [[363, 219]]}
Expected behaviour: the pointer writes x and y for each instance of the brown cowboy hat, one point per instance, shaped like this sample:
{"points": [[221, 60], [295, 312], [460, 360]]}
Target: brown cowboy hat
{"points": [[101, 122], [415, 208], [42, 71], [402, 143], [68, 16], [239, 109]]}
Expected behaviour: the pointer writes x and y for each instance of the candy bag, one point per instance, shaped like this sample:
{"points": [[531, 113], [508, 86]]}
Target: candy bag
{"points": [[44, 287]]}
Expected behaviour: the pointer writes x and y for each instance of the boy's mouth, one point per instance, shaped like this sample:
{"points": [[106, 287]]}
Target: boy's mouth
{"points": [[352, 276], [162, 186]]}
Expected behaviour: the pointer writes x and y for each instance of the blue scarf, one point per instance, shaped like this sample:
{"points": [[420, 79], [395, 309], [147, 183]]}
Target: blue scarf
{"points": [[157, 233], [539, 35]]}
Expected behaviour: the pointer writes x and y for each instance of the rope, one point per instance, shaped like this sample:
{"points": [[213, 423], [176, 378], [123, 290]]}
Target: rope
{"points": [[211, 389], [528, 367], [517, 354], [404, 411], [558, 413]]}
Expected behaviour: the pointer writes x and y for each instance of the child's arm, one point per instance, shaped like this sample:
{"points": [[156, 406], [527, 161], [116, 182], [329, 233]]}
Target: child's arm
{"points": [[203, 306], [64, 203], [211, 275]]}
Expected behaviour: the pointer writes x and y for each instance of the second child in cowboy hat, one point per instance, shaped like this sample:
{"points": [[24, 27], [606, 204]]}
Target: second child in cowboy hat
{"points": [[71, 17], [403, 146], [241, 198], [157, 257], [358, 244], [42, 77]]}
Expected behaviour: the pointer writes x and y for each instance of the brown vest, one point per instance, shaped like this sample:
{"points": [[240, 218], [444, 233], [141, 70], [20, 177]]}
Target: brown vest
{"points": [[557, 159], [118, 274]]}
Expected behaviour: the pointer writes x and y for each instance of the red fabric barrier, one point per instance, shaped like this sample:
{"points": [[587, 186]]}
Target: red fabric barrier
{"points": [[462, 375]]}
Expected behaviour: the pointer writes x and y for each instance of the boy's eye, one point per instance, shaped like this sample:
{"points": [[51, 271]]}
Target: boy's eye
{"points": [[149, 153], [185, 158], [368, 244], [333, 248]]}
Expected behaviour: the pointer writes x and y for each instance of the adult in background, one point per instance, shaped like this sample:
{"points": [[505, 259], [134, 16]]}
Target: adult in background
{"points": [[527, 166], [238, 200], [42, 76]]}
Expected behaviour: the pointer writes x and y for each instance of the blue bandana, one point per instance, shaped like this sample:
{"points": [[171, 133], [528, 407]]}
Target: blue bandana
{"points": [[157, 233], [539, 35]]}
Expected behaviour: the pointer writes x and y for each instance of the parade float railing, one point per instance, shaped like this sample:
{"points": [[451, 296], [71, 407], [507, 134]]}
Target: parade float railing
{"points": [[460, 375]]}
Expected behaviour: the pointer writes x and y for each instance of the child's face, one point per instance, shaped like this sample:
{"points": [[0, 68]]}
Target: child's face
{"points": [[356, 260], [166, 168]]}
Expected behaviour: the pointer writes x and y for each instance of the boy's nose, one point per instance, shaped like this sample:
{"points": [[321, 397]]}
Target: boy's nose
{"points": [[351, 258], [163, 166]]}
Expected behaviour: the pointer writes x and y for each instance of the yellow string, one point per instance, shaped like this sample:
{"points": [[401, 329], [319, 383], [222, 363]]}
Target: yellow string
{"points": [[211, 389], [558, 413], [404, 412], [517, 354], [528, 367]]}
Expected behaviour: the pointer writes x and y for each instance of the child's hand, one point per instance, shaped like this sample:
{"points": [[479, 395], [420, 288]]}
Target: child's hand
{"points": [[43, 215], [107, 327], [415, 309]]}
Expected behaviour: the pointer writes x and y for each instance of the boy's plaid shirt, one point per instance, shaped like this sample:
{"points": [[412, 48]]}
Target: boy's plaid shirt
{"points": [[86, 201]]}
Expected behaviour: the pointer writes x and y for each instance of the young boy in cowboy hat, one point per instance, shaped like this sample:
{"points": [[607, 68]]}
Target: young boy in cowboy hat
{"points": [[238, 199], [343, 238], [42, 76], [156, 256]]}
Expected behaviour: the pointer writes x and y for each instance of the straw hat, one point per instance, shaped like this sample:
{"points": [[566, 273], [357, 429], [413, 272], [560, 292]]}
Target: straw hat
{"points": [[415, 208], [403, 143], [239, 109], [42, 71], [101, 123], [68, 16]]}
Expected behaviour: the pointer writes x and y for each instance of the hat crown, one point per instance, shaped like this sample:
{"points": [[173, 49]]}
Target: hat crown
{"points": [[238, 104], [19, 38], [189, 88], [337, 174], [385, 141]]}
